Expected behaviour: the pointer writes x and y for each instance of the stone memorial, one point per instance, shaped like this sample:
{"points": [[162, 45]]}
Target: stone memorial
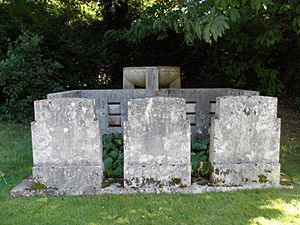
{"points": [[157, 143], [245, 141], [66, 144], [157, 118]]}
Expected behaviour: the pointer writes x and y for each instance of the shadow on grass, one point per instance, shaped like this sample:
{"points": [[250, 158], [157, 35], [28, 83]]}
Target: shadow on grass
{"points": [[272, 206]]}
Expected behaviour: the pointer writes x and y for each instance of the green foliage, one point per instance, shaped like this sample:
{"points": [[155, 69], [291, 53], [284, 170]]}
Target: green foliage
{"points": [[191, 18], [297, 102], [225, 43], [113, 157], [25, 76], [249, 41], [199, 157]]}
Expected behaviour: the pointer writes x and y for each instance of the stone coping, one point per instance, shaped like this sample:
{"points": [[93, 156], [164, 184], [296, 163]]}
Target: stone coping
{"points": [[24, 189]]}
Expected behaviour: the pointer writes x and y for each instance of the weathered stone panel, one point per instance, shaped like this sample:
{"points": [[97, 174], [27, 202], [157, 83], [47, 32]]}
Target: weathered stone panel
{"points": [[245, 140], [156, 143], [200, 104], [67, 148]]}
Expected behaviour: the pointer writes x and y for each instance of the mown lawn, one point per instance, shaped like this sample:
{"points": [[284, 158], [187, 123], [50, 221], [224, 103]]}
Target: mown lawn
{"points": [[272, 206]]}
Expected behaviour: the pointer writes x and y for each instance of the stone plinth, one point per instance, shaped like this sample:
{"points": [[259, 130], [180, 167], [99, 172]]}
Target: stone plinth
{"points": [[66, 143], [245, 141], [152, 78], [157, 143]]}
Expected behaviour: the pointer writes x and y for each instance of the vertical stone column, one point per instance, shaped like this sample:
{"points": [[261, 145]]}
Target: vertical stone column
{"points": [[245, 141], [66, 144], [152, 78], [157, 143]]}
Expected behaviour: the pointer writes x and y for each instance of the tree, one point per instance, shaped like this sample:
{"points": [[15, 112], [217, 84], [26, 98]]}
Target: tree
{"points": [[250, 33], [25, 76]]}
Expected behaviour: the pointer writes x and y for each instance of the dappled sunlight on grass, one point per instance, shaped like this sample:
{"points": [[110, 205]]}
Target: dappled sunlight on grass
{"points": [[289, 213], [271, 206]]}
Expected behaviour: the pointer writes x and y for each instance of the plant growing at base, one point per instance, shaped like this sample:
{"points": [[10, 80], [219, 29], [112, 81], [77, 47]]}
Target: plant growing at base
{"points": [[113, 157], [199, 157]]}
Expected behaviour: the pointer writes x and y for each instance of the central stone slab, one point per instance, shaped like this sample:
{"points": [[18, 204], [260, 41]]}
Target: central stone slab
{"points": [[157, 143]]}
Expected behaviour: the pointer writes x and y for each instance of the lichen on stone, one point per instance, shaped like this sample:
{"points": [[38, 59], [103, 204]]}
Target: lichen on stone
{"points": [[38, 186]]}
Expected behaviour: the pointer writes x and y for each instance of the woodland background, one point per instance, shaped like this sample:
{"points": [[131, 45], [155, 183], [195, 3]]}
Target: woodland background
{"points": [[55, 45]]}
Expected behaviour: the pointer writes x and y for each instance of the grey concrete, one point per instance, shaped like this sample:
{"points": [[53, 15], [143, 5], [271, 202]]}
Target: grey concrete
{"points": [[65, 94], [66, 143], [238, 174], [157, 143], [70, 180], [201, 101], [25, 189], [245, 140], [151, 78]]}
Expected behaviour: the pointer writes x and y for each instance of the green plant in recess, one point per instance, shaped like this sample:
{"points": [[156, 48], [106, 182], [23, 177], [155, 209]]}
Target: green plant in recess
{"points": [[199, 157], [113, 155]]}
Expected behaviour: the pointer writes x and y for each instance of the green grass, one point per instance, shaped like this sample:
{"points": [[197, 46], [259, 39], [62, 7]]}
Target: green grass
{"points": [[272, 206]]}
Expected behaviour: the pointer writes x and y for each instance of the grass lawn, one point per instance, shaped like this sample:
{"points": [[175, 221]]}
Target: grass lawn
{"points": [[272, 206]]}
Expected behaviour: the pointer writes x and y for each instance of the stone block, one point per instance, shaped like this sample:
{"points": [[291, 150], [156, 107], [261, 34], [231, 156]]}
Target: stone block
{"points": [[245, 135], [200, 102], [151, 78], [245, 173], [65, 135], [70, 180], [156, 143]]}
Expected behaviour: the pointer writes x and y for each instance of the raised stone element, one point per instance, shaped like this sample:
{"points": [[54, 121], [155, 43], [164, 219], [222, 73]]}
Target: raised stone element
{"points": [[151, 78], [245, 141], [111, 105], [67, 147], [157, 143]]}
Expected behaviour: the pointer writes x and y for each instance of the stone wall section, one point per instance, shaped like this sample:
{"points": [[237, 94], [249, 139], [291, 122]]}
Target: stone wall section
{"points": [[67, 147], [111, 105], [157, 143], [245, 141]]}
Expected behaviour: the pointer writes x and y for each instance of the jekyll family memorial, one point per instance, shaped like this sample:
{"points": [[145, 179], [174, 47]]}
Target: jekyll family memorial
{"points": [[157, 118]]}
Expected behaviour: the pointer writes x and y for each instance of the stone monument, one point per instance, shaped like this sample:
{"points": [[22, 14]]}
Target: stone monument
{"points": [[157, 143], [245, 141], [66, 145]]}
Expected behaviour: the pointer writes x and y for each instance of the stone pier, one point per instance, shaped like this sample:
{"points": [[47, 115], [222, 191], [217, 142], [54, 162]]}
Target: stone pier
{"points": [[67, 148], [157, 143], [245, 141]]}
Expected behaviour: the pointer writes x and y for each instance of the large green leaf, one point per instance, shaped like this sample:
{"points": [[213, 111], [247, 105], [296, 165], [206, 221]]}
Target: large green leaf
{"points": [[108, 162]]}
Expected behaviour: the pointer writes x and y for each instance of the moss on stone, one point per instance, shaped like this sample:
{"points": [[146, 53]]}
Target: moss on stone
{"points": [[38, 186], [175, 181], [262, 178], [107, 182]]}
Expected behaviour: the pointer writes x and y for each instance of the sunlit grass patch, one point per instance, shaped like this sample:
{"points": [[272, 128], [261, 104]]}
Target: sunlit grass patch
{"points": [[289, 212], [270, 206]]}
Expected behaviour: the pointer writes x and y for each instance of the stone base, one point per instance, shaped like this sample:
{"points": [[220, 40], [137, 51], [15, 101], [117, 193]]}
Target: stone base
{"points": [[24, 189], [156, 175], [245, 173], [71, 180]]}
